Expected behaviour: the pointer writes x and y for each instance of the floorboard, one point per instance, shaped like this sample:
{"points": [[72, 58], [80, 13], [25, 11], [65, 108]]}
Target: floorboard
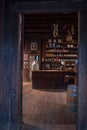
{"points": [[46, 110]]}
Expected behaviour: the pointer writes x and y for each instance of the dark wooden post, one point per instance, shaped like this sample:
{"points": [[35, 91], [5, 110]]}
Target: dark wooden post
{"points": [[10, 71], [82, 91], [1, 41]]}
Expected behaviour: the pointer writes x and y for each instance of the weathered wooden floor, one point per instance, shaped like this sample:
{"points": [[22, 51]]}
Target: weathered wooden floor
{"points": [[46, 110]]}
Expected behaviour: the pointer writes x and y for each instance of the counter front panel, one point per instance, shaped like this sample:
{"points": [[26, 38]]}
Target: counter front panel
{"points": [[49, 79]]}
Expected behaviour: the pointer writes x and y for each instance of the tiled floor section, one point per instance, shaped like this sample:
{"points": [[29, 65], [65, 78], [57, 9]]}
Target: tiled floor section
{"points": [[46, 110]]}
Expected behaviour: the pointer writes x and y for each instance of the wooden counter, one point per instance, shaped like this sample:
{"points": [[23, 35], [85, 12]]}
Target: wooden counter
{"points": [[49, 79]]}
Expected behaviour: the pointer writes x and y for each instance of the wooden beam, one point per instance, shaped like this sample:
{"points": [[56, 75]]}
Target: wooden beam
{"points": [[48, 6]]}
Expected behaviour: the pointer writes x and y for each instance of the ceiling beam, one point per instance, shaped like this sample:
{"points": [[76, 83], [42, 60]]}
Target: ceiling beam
{"points": [[48, 6]]}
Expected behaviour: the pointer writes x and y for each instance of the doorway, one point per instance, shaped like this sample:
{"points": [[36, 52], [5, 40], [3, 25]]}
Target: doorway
{"points": [[50, 94]]}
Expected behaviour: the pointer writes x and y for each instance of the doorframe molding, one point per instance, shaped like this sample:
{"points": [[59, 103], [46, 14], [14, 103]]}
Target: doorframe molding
{"points": [[36, 7]]}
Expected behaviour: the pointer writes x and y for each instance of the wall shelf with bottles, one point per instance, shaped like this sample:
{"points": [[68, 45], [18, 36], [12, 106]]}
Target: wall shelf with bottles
{"points": [[55, 53]]}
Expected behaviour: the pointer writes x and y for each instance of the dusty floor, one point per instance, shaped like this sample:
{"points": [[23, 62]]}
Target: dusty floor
{"points": [[46, 110]]}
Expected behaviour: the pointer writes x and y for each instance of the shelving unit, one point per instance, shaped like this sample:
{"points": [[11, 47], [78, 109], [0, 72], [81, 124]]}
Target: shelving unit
{"points": [[55, 53]]}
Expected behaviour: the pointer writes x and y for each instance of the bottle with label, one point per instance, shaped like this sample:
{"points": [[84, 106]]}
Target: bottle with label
{"points": [[35, 64], [69, 36]]}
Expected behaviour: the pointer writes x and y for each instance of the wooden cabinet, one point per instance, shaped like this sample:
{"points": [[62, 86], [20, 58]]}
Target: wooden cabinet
{"points": [[57, 53]]}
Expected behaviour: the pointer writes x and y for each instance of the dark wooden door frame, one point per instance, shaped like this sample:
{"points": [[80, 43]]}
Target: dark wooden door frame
{"points": [[21, 8]]}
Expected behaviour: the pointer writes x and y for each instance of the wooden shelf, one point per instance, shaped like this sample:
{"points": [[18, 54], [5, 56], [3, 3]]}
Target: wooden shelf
{"points": [[72, 57], [65, 42], [61, 52], [54, 55]]}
